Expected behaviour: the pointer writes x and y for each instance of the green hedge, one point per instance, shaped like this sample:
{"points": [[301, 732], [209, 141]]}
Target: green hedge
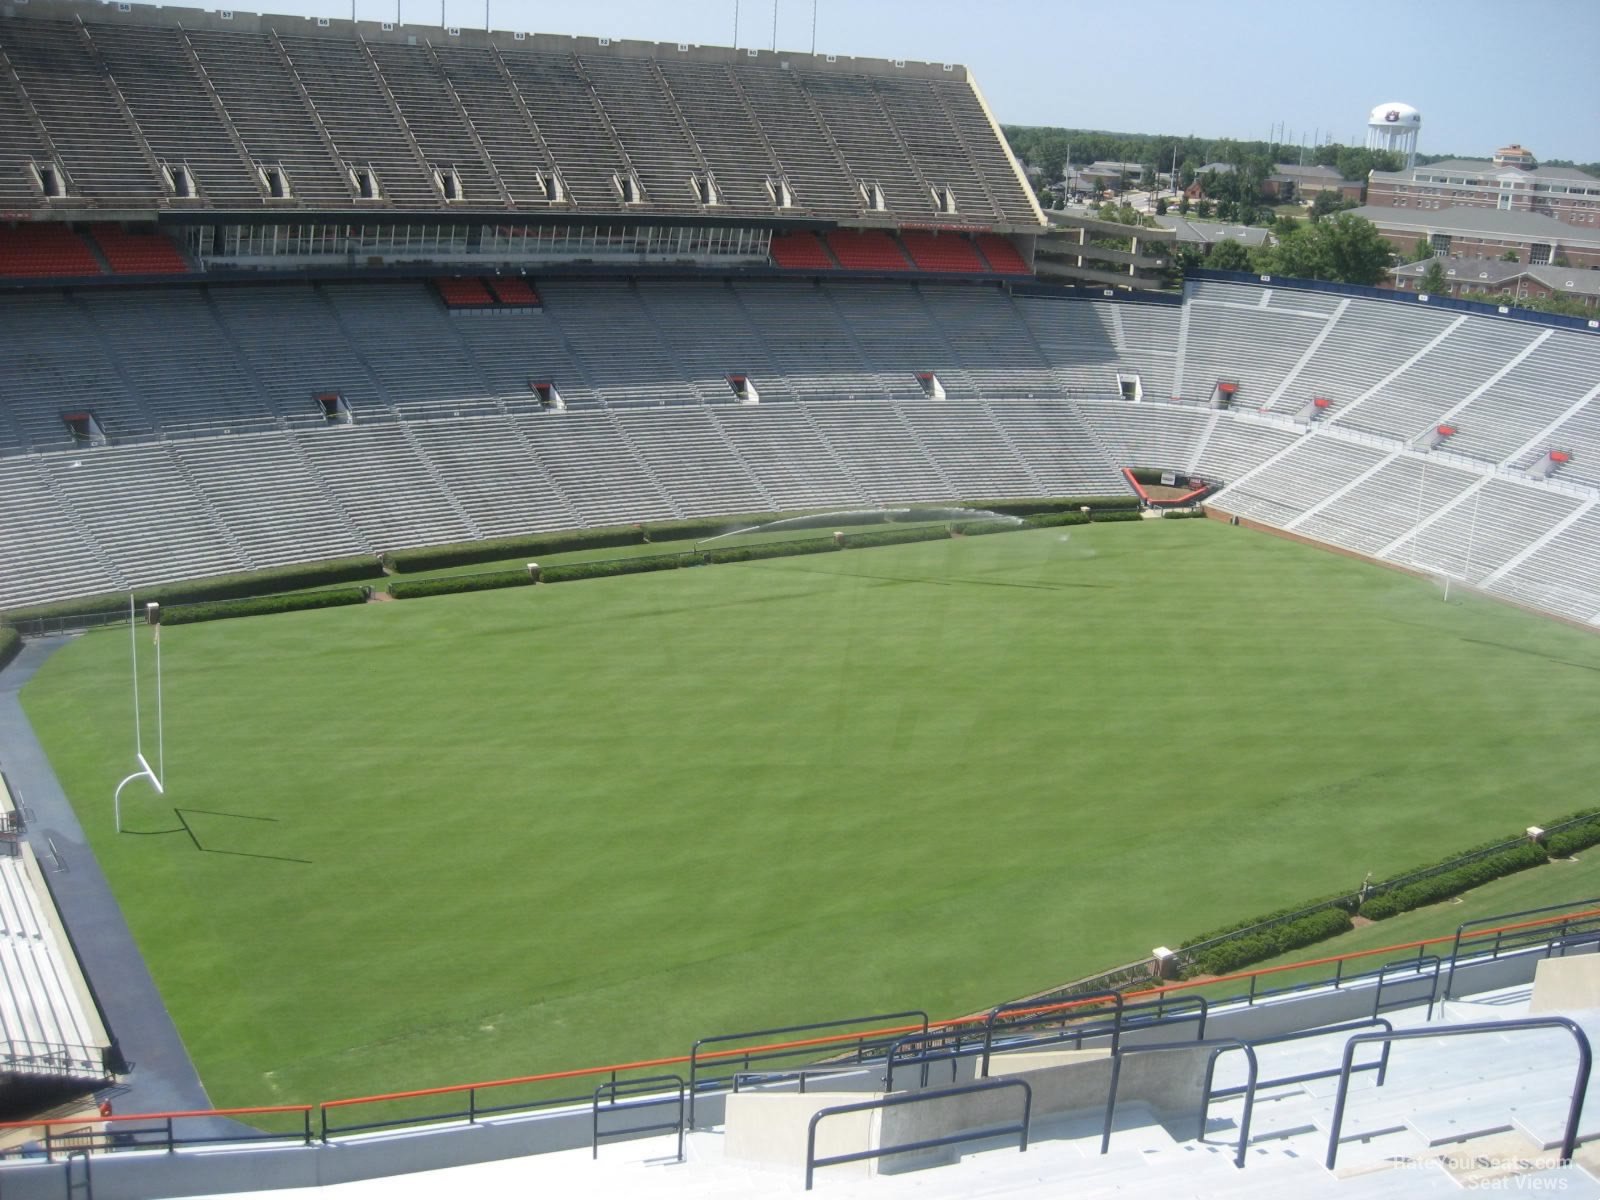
{"points": [[1452, 883], [733, 554], [1238, 953], [1558, 845], [10, 645], [532, 545], [410, 589], [1120, 514], [566, 572], [894, 537], [980, 528], [1183, 514], [1050, 520], [1029, 507], [220, 587], [254, 606]]}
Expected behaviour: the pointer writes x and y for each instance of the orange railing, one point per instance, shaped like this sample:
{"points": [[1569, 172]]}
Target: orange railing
{"points": [[474, 1110]]}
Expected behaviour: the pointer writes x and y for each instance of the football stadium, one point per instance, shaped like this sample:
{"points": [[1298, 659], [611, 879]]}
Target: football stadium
{"points": [[581, 615]]}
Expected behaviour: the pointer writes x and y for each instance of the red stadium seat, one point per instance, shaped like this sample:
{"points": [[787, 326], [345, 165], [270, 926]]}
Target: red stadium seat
{"points": [[800, 251], [943, 252], [1002, 255], [515, 291], [138, 253], [463, 293], [45, 249], [867, 250]]}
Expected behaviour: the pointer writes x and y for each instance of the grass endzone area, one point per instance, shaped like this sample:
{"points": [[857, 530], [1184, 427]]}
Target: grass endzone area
{"points": [[547, 828]]}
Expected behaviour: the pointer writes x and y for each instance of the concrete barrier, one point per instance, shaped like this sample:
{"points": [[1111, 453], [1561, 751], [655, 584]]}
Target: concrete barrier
{"points": [[769, 1129], [1564, 984]]}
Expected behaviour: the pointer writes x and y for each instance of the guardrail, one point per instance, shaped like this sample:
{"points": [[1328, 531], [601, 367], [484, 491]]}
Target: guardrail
{"points": [[886, 1039], [1569, 1137], [158, 1131], [949, 1139], [1520, 934], [748, 1055], [1254, 1068], [629, 1096]]}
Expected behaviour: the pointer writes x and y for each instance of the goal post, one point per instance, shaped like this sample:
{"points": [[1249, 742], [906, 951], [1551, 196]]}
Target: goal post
{"points": [[155, 775]]}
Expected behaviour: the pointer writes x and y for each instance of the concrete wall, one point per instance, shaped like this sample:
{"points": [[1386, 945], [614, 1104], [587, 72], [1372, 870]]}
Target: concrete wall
{"points": [[1564, 984], [769, 1130]]}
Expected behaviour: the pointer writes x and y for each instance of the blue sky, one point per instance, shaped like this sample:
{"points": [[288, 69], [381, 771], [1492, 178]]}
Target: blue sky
{"points": [[1483, 72]]}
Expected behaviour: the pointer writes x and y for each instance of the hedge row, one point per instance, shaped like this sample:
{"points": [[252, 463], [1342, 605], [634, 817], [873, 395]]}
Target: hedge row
{"points": [[1120, 514], [255, 606], [1050, 520], [410, 589], [533, 545], [1452, 883], [894, 537], [1028, 508], [980, 528], [10, 645], [733, 554], [220, 587], [566, 572], [1183, 514], [1237, 953], [1558, 845]]}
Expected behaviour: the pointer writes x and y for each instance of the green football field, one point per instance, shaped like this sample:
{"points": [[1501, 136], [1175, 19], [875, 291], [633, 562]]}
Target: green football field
{"points": [[468, 837]]}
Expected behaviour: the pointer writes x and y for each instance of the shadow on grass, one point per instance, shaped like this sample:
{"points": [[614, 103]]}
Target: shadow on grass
{"points": [[183, 826]]}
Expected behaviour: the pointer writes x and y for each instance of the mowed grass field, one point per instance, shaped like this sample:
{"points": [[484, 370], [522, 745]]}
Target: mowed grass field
{"points": [[470, 837]]}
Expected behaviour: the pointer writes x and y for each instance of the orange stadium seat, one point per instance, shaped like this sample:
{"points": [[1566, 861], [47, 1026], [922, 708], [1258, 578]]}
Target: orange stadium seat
{"points": [[800, 251], [138, 253], [45, 250], [867, 250], [942, 252], [463, 293], [1002, 255]]}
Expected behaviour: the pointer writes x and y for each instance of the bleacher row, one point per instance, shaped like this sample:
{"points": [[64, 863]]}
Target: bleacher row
{"points": [[44, 1013], [300, 116], [913, 250], [206, 396]]}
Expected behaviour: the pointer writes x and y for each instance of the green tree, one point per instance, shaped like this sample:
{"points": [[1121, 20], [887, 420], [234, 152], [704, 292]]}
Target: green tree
{"points": [[1422, 251], [1161, 206], [1327, 203], [1510, 256], [1433, 279], [1284, 226], [1203, 210], [1229, 256], [1342, 249], [1183, 206]]}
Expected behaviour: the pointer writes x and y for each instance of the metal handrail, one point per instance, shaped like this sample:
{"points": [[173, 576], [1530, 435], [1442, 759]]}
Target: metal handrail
{"points": [[1219, 1044], [1418, 968], [1208, 1094], [1025, 1009], [1569, 1138], [626, 1094], [951, 1139], [791, 1049], [1462, 929]]}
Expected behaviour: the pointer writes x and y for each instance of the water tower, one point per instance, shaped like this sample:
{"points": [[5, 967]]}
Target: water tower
{"points": [[1394, 127]]}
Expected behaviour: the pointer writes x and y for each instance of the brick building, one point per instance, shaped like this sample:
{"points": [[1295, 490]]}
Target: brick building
{"points": [[1512, 182], [1469, 232], [1516, 280]]}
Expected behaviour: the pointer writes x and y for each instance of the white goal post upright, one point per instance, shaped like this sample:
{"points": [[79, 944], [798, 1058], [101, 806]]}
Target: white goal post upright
{"points": [[145, 771]]}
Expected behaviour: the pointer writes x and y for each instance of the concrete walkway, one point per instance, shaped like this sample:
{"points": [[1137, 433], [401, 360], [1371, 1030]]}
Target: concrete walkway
{"points": [[162, 1079]]}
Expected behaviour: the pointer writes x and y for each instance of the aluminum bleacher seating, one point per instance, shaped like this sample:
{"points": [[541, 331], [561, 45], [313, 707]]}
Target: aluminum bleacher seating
{"points": [[72, 95], [47, 554], [1252, 345], [608, 323], [970, 449], [264, 104], [601, 475], [1563, 575], [874, 442], [1313, 469], [1535, 393], [936, 148], [810, 156], [1483, 529], [639, 107], [1237, 444], [692, 462], [855, 117], [786, 454], [730, 141], [424, 99], [1367, 343], [1077, 339], [1139, 435], [866, 250], [1380, 508], [138, 253], [1058, 447], [498, 118], [168, 97], [45, 250], [942, 252], [490, 468], [710, 337], [572, 125], [413, 355], [807, 340]]}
